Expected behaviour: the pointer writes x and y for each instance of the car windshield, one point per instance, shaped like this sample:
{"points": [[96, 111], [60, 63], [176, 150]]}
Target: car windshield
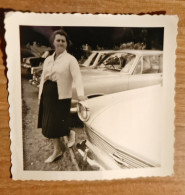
{"points": [[88, 58], [103, 57], [119, 62], [96, 58]]}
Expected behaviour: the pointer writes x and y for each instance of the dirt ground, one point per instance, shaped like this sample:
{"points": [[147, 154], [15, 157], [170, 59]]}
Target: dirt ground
{"points": [[37, 148]]}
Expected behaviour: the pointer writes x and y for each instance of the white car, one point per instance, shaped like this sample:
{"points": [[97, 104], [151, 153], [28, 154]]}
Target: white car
{"points": [[121, 71], [123, 129]]}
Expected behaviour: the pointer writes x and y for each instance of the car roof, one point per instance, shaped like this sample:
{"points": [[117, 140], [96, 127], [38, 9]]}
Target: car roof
{"points": [[144, 52], [132, 51], [104, 51]]}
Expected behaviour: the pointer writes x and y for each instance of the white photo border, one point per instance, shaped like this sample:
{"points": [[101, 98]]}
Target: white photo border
{"points": [[12, 35]]}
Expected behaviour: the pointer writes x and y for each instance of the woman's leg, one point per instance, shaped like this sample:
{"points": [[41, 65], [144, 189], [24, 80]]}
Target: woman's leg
{"points": [[71, 139], [56, 152]]}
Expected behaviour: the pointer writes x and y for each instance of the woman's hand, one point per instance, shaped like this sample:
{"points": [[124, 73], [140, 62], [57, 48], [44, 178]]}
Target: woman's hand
{"points": [[82, 98]]}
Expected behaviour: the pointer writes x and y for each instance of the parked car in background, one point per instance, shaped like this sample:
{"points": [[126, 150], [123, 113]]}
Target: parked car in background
{"points": [[32, 62], [124, 70], [33, 65], [123, 129]]}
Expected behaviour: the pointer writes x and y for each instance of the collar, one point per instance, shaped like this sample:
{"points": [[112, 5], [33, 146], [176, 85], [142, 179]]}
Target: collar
{"points": [[62, 54]]}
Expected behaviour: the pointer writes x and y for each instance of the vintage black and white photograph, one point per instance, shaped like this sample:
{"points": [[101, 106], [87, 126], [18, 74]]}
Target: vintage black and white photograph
{"points": [[91, 99]]}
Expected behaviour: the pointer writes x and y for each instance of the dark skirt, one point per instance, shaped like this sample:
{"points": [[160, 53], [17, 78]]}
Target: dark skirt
{"points": [[54, 114]]}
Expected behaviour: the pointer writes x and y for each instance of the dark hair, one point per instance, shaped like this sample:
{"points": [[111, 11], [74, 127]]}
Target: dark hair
{"points": [[60, 32]]}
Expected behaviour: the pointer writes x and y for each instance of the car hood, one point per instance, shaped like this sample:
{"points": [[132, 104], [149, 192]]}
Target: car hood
{"points": [[131, 120]]}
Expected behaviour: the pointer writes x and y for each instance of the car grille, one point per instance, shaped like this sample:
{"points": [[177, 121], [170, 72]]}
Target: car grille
{"points": [[123, 159]]}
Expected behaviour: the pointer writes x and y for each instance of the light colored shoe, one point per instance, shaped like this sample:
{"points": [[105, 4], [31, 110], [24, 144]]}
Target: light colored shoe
{"points": [[71, 139], [53, 157]]}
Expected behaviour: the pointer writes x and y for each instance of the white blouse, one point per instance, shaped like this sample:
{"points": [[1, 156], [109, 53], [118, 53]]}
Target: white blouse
{"points": [[64, 70]]}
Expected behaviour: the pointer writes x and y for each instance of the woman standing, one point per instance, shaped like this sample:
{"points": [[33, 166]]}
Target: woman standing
{"points": [[55, 92]]}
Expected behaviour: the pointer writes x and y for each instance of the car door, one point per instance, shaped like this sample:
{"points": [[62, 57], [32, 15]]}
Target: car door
{"points": [[105, 83], [147, 72]]}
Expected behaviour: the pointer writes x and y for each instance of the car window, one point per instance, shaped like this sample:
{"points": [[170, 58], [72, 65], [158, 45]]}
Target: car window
{"points": [[93, 59], [127, 62], [113, 62], [139, 65], [86, 59], [152, 64], [119, 62], [103, 57], [149, 65]]}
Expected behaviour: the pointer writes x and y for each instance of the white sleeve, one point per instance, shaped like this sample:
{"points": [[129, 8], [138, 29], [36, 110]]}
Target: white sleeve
{"points": [[42, 79], [76, 75]]}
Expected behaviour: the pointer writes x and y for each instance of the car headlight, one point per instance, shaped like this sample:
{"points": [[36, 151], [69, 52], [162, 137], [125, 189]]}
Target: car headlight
{"points": [[83, 111]]}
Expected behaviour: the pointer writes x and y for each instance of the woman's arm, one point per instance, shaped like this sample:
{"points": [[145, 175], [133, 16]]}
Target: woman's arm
{"points": [[41, 80], [77, 78]]}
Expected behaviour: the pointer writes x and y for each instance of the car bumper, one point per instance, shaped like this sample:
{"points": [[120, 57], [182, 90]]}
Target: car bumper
{"points": [[96, 157], [74, 106], [24, 65], [35, 69], [109, 156]]}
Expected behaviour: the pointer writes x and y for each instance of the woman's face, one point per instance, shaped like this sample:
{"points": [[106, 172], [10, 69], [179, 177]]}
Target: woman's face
{"points": [[60, 43]]}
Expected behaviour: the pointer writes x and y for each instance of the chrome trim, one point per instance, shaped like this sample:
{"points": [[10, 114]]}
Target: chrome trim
{"points": [[122, 158], [86, 109]]}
